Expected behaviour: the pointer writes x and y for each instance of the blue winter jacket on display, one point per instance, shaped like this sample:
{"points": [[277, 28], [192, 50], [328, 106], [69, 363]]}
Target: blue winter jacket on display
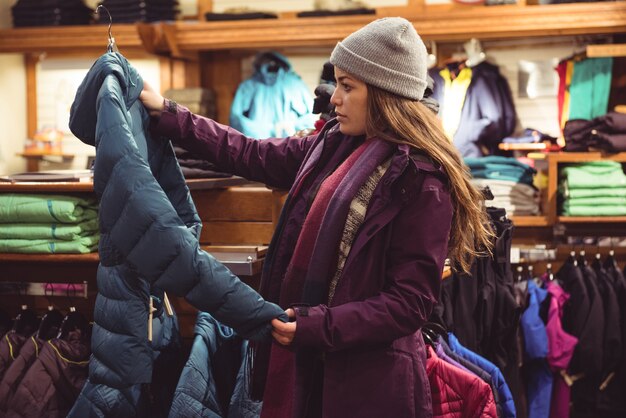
{"points": [[539, 389], [504, 392], [273, 102], [149, 238], [214, 382]]}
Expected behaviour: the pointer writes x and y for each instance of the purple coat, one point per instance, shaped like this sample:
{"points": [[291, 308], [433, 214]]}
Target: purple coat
{"points": [[374, 355]]}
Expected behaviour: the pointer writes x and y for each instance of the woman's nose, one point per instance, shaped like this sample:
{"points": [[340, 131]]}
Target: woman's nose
{"points": [[334, 99]]}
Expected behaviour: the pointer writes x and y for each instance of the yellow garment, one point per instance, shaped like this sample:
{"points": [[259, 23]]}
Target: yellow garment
{"points": [[568, 81], [454, 98]]}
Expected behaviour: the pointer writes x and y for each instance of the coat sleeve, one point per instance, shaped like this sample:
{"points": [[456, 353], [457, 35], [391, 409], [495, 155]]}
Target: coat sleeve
{"points": [[418, 247], [273, 161]]}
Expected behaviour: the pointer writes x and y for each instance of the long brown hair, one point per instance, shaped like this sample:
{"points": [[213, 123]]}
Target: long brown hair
{"points": [[405, 121]]}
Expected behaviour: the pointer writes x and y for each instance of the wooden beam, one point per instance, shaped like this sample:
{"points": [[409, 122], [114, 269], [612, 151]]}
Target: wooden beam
{"points": [[30, 62], [221, 72], [204, 6]]}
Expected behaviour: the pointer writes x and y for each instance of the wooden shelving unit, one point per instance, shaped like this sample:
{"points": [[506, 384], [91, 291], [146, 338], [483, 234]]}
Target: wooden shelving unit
{"points": [[432, 23], [440, 23], [557, 159]]}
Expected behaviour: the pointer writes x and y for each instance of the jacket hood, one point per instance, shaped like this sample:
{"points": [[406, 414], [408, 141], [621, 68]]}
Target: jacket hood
{"points": [[209, 329], [271, 58], [270, 67], [83, 113]]}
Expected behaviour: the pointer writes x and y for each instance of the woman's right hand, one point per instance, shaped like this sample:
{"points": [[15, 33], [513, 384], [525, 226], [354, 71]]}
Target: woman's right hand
{"points": [[152, 100]]}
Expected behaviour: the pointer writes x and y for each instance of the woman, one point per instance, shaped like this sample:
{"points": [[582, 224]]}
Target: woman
{"points": [[377, 201]]}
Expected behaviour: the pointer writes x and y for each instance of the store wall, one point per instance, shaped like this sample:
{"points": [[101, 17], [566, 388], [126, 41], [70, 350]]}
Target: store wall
{"points": [[12, 112], [538, 113]]}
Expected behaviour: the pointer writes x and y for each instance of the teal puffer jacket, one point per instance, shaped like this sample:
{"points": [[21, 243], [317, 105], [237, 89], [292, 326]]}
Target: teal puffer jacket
{"points": [[149, 234]]}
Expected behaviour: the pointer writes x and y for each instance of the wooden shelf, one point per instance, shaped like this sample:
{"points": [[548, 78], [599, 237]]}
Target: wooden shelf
{"points": [[50, 258], [81, 187], [432, 23], [68, 38], [530, 220], [584, 157], [441, 23], [592, 219], [240, 268], [535, 146], [46, 187]]}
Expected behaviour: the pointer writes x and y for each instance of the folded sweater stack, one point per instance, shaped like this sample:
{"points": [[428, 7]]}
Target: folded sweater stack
{"points": [[48, 224], [510, 182], [596, 188]]}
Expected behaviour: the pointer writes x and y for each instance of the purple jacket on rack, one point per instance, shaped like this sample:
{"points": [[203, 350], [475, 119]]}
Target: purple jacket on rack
{"points": [[560, 350]]}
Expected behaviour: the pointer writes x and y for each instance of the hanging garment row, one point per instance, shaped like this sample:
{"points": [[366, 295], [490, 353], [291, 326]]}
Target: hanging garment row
{"points": [[596, 315], [43, 363], [568, 351], [481, 311]]}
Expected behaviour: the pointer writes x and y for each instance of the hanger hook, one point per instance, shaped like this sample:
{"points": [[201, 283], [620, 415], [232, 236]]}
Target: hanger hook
{"points": [[111, 39], [48, 291]]}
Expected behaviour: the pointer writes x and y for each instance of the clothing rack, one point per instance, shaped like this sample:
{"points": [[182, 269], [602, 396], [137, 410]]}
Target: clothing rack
{"points": [[68, 290]]}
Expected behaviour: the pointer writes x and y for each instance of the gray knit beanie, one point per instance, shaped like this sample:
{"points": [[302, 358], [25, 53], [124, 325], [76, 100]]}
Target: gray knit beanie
{"points": [[387, 53]]}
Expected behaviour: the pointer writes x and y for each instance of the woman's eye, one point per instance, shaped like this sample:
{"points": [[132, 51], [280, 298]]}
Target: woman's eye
{"points": [[346, 87]]}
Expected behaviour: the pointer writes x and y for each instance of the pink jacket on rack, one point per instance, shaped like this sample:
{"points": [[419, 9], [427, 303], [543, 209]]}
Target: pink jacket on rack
{"points": [[560, 350], [457, 393]]}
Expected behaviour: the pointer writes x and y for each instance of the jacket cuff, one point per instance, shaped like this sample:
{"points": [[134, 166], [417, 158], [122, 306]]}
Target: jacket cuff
{"points": [[310, 321], [167, 125]]}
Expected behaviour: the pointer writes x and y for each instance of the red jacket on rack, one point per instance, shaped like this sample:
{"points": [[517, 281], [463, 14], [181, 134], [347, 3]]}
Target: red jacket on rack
{"points": [[457, 393]]}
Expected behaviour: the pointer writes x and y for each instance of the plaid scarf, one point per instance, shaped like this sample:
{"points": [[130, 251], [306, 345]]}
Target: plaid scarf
{"points": [[323, 245]]}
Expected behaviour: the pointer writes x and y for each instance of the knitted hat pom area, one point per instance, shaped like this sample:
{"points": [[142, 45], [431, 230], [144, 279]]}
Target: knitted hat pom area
{"points": [[386, 53]]}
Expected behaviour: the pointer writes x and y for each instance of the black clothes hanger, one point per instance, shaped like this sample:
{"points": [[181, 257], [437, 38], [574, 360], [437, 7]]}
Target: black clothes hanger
{"points": [[51, 321], [26, 322], [74, 320], [111, 47], [610, 261], [435, 330], [428, 338], [582, 261], [597, 262], [50, 325], [572, 258], [549, 272]]}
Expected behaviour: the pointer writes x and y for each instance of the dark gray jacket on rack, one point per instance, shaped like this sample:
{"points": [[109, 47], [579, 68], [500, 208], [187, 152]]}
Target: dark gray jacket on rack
{"points": [[149, 235]]}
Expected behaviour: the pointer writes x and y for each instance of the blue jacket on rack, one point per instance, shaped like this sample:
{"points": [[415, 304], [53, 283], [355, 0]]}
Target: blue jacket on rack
{"points": [[504, 392], [214, 382], [273, 102], [149, 236]]}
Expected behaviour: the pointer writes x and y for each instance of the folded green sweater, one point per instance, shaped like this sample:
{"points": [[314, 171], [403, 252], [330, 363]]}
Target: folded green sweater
{"points": [[595, 174], [596, 201], [593, 210], [588, 192], [78, 246], [56, 231], [25, 208]]}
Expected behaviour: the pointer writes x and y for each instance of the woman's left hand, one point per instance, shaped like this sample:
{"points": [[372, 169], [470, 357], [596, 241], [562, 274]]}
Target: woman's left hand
{"points": [[283, 332]]}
